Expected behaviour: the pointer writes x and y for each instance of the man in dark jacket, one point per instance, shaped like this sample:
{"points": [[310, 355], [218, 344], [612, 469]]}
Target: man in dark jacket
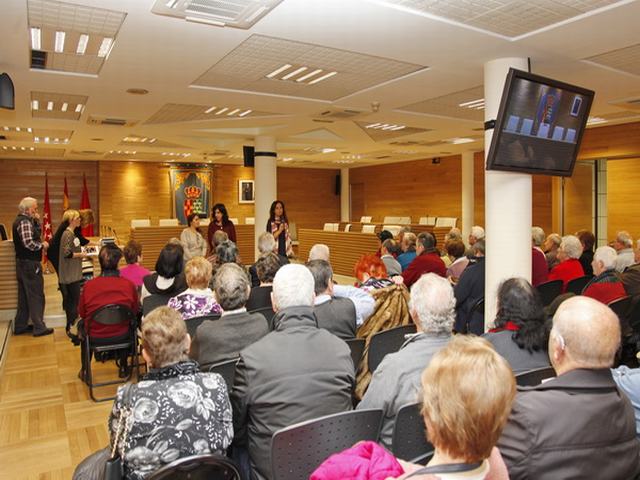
{"points": [[468, 290], [295, 373], [577, 425]]}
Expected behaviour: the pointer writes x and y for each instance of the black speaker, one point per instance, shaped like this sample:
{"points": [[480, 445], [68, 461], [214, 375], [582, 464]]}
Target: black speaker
{"points": [[7, 93], [249, 157], [338, 186]]}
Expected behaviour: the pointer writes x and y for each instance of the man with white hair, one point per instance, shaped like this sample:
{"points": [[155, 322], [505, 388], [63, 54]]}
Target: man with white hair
{"points": [[606, 285], [29, 248], [396, 381], [477, 233], [319, 251], [539, 269], [624, 246], [577, 425], [295, 373]]}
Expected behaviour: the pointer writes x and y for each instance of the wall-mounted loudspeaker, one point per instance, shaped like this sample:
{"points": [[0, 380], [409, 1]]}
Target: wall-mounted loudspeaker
{"points": [[338, 186], [249, 155]]}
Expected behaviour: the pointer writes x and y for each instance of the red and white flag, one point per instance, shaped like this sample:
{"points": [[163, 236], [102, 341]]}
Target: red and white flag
{"points": [[65, 196], [84, 203], [47, 227]]}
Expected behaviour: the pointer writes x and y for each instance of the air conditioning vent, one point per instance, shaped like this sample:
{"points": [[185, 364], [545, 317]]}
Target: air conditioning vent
{"points": [[86, 152], [340, 114], [322, 120], [109, 121], [38, 59]]}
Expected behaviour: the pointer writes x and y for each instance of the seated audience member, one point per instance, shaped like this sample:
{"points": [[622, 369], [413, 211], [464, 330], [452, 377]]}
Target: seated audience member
{"points": [[193, 242], [177, 411], [453, 234], [338, 309], [539, 268], [226, 252], [588, 240], [631, 276], [402, 232], [408, 247], [628, 380], [606, 286], [371, 273], [109, 288], [477, 233], [427, 260], [464, 432], [295, 373], [260, 296], [455, 251], [223, 339], [520, 334], [569, 266], [576, 425], [550, 247], [319, 251], [624, 246], [167, 281], [133, 271], [392, 265], [396, 381], [219, 236], [468, 290], [382, 236], [266, 244], [197, 300]]}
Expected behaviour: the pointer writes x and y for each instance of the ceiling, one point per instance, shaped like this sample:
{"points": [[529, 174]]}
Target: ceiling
{"points": [[338, 83]]}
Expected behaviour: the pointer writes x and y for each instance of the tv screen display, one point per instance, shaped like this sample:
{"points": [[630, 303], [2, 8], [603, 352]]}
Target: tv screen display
{"points": [[539, 126]]}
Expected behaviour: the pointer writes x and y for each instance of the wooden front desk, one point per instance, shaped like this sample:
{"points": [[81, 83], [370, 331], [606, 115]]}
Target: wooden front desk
{"points": [[8, 281]]}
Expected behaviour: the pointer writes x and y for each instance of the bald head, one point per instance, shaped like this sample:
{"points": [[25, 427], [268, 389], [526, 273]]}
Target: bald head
{"points": [[585, 334]]}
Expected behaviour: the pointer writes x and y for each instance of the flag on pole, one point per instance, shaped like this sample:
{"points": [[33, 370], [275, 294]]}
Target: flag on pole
{"points": [[47, 228], [65, 196], [85, 203]]}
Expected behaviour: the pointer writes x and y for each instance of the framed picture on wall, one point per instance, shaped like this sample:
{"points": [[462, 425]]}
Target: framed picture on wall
{"points": [[246, 193]]}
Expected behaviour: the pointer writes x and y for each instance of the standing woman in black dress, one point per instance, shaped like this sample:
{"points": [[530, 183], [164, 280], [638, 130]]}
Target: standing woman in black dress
{"points": [[278, 226]]}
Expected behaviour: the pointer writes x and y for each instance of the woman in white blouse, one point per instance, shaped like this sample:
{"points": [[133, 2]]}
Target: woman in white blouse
{"points": [[192, 240]]}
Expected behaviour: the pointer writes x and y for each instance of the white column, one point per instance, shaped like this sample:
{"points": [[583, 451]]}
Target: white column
{"points": [[266, 182], [467, 194], [345, 200], [507, 201]]}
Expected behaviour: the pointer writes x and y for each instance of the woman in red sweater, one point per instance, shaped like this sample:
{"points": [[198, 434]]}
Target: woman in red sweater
{"points": [[220, 221], [569, 267]]}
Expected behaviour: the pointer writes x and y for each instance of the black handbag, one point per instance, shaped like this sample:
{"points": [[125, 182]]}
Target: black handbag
{"points": [[114, 467]]}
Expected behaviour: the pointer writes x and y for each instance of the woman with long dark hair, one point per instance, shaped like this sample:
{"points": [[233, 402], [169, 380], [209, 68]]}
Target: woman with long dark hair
{"points": [[521, 333], [278, 226], [220, 222]]}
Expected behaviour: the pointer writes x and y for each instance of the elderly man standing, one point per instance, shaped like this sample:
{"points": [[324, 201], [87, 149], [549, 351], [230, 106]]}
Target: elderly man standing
{"points": [[624, 246], [396, 381], [606, 286], [28, 247], [577, 425], [295, 373], [427, 260]]}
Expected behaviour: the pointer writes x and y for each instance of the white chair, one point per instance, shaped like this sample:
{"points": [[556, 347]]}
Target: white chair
{"points": [[446, 222], [204, 222], [168, 222], [347, 227], [394, 229], [365, 219], [368, 229], [328, 227], [250, 220], [404, 220], [234, 220], [140, 222], [430, 221]]}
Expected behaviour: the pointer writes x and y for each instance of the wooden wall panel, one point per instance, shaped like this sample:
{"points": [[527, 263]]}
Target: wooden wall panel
{"points": [[309, 196], [611, 141], [225, 190], [623, 180], [8, 281], [22, 178], [478, 188], [578, 203], [542, 202]]}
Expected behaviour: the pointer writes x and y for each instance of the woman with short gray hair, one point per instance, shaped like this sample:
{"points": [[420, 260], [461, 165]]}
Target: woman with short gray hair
{"points": [[569, 267]]}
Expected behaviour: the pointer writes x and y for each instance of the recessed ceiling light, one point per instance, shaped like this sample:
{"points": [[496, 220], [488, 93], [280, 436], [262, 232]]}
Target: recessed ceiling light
{"points": [[246, 112], [64, 107], [152, 140], [105, 47], [323, 77], [386, 126], [172, 3], [59, 43], [309, 75], [294, 73], [50, 105], [233, 112], [35, 105], [17, 129], [210, 109], [222, 110], [82, 44], [460, 140], [477, 104], [328, 150], [596, 120], [36, 35], [79, 108], [278, 70]]}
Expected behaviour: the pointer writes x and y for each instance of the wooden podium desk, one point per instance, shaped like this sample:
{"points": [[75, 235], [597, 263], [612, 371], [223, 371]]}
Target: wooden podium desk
{"points": [[8, 281], [347, 247], [153, 239]]}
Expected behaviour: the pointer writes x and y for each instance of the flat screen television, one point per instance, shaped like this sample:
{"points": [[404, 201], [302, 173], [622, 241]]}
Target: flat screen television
{"points": [[539, 126]]}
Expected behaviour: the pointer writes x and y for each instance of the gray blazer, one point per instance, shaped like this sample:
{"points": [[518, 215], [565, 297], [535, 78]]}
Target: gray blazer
{"points": [[521, 360], [223, 339], [337, 315], [577, 425]]}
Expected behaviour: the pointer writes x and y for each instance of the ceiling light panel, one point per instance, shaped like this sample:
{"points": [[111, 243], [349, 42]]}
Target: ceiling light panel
{"points": [[380, 131], [508, 18], [52, 105], [450, 105], [71, 38], [260, 63], [221, 13], [624, 59], [175, 113], [15, 151], [140, 141]]}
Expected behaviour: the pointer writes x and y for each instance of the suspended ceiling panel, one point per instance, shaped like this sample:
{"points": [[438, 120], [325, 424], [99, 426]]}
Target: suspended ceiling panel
{"points": [[380, 132], [61, 106], [453, 105], [509, 18], [284, 67], [176, 113], [624, 59]]}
